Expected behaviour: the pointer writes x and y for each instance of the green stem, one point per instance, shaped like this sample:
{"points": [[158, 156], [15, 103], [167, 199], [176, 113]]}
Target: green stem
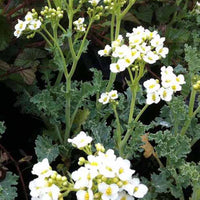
{"points": [[112, 27], [118, 135], [59, 134], [190, 113], [46, 39], [127, 8], [67, 109], [141, 112], [49, 3], [60, 51], [59, 78]]}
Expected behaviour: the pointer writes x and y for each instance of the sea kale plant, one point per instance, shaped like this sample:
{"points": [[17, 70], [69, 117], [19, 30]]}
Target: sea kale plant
{"points": [[101, 129]]}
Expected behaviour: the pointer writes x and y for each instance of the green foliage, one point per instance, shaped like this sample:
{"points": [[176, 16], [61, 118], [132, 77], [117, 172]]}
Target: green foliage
{"points": [[193, 59], [174, 147], [46, 149], [8, 191], [5, 33], [50, 103], [2, 128], [29, 57]]}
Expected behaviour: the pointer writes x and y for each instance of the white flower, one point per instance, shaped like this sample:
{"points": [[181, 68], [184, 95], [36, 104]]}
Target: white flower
{"points": [[79, 21], [82, 178], [143, 48], [121, 51], [135, 40], [151, 85], [106, 51], [162, 51], [109, 155], [157, 41], [113, 94], [123, 170], [17, 33], [95, 162], [117, 42], [36, 186], [51, 193], [150, 57], [109, 192], [152, 98], [94, 2], [180, 79], [118, 67], [168, 80], [134, 188], [29, 17], [81, 140], [21, 25], [84, 195], [166, 71], [165, 94], [124, 196], [108, 169], [79, 24], [104, 99], [42, 169], [175, 86], [35, 24]]}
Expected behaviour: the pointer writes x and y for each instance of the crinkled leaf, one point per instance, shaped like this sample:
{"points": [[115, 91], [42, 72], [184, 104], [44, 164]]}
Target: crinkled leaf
{"points": [[193, 58], [46, 149], [8, 191], [2, 128]]}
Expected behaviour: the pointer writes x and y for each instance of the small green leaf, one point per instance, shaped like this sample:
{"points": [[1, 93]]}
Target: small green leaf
{"points": [[8, 191], [46, 149]]}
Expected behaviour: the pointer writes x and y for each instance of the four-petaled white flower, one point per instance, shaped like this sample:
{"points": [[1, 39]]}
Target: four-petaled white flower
{"points": [[104, 99], [81, 140], [42, 169], [109, 192], [84, 195], [136, 189]]}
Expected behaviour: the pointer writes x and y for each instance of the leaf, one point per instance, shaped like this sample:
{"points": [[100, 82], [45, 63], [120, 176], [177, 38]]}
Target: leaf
{"points": [[163, 13], [5, 33], [2, 128], [8, 191], [28, 75], [46, 149], [130, 17], [145, 13], [29, 57], [81, 117], [148, 148], [193, 58], [4, 66]]}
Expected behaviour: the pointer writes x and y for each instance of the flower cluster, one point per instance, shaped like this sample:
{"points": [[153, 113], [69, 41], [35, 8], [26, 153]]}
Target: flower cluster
{"points": [[108, 96], [79, 24], [104, 176], [47, 185], [142, 45], [31, 23], [52, 13], [170, 83], [110, 5], [196, 86]]}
